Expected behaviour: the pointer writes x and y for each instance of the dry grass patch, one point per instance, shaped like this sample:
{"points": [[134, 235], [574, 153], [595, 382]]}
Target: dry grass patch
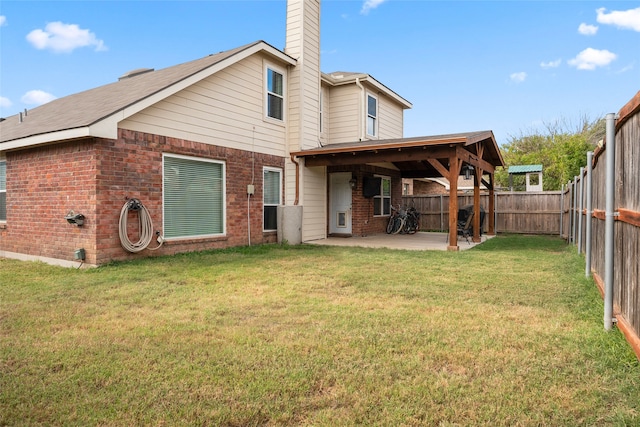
{"points": [[508, 333]]}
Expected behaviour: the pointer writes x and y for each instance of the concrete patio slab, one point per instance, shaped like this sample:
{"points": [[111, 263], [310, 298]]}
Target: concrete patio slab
{"points": [[420, 241]]}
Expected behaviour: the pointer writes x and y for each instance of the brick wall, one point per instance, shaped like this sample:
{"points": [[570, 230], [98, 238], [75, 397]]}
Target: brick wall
{"points": [[96, 176], [43, 185], [428, 187]]}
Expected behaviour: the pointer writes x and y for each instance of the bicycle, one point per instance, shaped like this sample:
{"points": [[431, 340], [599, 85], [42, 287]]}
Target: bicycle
{"points": [[396, 220], [405, 221]]}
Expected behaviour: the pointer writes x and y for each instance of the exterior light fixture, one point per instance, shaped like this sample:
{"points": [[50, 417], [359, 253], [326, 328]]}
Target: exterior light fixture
{"points": [[352, 182], [467, 172], [74, 218]]}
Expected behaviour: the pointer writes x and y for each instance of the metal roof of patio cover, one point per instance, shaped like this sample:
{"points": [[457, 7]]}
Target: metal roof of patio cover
{"points": [[425, 157]]}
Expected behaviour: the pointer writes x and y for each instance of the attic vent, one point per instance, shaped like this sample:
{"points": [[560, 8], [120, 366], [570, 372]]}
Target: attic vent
{"points": [[337, 76], [134, 73]]}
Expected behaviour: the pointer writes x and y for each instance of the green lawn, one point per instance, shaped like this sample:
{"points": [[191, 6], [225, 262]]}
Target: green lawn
{"points": [[509, 333]]}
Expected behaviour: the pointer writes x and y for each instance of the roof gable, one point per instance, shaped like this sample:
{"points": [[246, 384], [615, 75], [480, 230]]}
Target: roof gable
{"points": [[95, 112]]}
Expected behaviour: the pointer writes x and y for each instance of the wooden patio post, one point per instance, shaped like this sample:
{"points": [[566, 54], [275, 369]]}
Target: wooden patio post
{"points": [[454, 172], [476, 205], [492, 207]]}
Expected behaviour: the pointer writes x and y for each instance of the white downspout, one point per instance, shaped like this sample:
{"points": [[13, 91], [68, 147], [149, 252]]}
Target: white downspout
{"points": [[362, 110]]}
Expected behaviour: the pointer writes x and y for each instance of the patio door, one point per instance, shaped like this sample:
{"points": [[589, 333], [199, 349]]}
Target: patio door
{"points": [[340, 203]]}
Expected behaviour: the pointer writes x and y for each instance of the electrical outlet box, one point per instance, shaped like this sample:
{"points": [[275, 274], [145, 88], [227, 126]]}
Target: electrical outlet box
{"points": [[79, 254], [251, 189]]}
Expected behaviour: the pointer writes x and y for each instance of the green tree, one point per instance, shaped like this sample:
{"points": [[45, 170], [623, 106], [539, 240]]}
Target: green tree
{"points": [[560, 148]]}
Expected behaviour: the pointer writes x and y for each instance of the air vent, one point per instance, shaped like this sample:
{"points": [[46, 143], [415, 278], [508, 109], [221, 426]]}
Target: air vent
{"points": [[134, 73]]}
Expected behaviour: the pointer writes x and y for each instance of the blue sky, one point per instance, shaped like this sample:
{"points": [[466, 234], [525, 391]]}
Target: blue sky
{"points": [[507, 66]]}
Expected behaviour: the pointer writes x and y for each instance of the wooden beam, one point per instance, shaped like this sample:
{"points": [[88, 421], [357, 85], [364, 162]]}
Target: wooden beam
{"points": [[439, 167], [379, 156], [476, 205], [474, 160], [492, 208]]}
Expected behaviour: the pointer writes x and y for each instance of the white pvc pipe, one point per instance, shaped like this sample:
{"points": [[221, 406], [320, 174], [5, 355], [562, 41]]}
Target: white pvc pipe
{"points": [[589, 207], [609, 220]]}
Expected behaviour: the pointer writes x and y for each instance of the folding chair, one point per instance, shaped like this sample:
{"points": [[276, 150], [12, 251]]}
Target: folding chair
{"points": [[465, 227]]}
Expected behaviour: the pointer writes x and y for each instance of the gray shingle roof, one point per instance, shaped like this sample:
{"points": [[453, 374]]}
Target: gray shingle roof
{"points": [[86, 108]]}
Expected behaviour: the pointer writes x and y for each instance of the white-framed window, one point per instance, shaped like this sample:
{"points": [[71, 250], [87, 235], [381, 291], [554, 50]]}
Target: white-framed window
{"points": [[3, 190], [272, 197], [274, 92], [382, 202], [372, 115], [193, 197]]}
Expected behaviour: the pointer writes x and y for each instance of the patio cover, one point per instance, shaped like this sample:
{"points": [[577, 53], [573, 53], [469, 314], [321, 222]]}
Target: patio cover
{"points": [[426, 157]]}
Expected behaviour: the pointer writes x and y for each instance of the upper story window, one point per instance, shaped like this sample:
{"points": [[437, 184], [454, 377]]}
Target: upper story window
{"points": [[372, 115], [274, 93], [3, 190]]}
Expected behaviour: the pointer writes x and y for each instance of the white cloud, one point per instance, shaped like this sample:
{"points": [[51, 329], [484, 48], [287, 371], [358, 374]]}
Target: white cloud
{"points": [[63, 38], [551, 64], [587, 30], [5, 102], [591, 58], [518, 77], [370, 4], [37, 97], [3, 20], [625, 19]]}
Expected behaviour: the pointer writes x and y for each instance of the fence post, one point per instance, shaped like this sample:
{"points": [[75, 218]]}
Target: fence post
{"points": [[609, 219], [561, 209], [574, 209], [580, 204], [441, 214], [587, 246]]}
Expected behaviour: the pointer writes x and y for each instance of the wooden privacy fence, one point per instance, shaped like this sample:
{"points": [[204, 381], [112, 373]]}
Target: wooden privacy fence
{"points": [[584, 220], [516, 212]]}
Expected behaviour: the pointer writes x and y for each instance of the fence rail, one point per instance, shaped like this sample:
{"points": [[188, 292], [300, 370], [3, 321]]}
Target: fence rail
{"points": [[515, 212]]}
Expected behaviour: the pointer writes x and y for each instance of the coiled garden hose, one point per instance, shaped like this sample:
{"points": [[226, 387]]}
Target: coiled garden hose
{"points": [[146, 227]]}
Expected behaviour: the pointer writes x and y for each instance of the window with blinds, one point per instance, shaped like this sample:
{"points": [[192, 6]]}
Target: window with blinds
{"points": [[272, 191], [3, 190], [193, 197]]}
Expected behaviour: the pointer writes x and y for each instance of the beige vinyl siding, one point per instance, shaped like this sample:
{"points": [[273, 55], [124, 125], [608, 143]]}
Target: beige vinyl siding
{"points": [[345, 121], [303, 42], [390, 119], [224, 109], [314, 213], [289, 182]]}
